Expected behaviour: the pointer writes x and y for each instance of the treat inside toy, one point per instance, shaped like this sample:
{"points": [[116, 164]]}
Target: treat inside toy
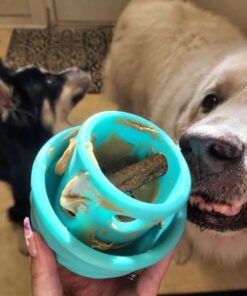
{"points": [[115, 156]]}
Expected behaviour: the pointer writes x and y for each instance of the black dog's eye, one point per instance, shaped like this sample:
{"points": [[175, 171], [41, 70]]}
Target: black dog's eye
{"points": [[210, 102], [49, 81]]}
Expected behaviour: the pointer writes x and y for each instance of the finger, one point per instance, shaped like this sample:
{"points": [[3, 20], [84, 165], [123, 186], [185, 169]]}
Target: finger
{"points": [[29, 238], [44, 273], [150, 280]]}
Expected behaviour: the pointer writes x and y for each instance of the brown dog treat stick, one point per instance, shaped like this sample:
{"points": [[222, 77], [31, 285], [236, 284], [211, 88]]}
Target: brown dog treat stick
{"points": [[140, 173]]}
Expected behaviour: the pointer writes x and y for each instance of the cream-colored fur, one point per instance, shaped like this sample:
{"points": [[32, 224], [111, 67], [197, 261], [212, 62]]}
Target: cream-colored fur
{"points": [[164, 57]]}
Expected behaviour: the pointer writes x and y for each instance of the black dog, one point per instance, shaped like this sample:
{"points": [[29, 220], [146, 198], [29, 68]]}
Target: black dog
{"points": [[33, 103]]}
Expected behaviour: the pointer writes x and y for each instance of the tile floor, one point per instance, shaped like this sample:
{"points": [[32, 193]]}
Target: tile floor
{"points": [[194, 276]]}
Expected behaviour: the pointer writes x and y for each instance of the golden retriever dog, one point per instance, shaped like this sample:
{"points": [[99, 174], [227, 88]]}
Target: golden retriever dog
{"points": [[186, 70]]}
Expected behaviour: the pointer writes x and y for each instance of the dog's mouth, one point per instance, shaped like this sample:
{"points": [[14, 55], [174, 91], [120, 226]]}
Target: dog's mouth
{"points": [[207, 213]]}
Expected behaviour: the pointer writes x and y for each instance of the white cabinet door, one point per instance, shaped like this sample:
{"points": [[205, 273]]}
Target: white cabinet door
{"points": [[14, 7], [22, 13], [88, 10]]}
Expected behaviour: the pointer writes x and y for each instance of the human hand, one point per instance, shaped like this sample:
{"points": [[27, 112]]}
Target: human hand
{"points": [[50, 279]]}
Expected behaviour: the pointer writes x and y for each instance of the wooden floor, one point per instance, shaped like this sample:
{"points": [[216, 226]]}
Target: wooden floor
{"points": [[5, 36], [195, 276]]}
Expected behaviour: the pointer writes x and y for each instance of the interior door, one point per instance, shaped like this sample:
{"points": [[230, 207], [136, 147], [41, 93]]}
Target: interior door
{"points": [[22, 13], [88, 10]]}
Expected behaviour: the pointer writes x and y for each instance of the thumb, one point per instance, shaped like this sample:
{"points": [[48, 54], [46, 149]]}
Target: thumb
{"points": [[150, 280], [44, 273]]}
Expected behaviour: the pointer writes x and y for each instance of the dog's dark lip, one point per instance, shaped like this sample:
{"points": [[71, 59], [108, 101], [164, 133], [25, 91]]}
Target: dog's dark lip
{"points": [[201, 212], [216, 221]]}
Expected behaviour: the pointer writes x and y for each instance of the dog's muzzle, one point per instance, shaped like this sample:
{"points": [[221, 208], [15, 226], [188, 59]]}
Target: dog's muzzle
{"points": [[216, 160]]}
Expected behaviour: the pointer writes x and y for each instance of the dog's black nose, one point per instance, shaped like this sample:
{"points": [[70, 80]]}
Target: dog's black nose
{"points": [[84, 67], [211, 151]]}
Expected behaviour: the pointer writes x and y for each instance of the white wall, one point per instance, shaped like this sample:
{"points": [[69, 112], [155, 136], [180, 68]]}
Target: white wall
{"points": [[235, 10]]}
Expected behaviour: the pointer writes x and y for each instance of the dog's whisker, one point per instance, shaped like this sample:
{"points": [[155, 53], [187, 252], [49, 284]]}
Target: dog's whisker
{"points": [[22, 115], [13, 114], [24, 112]]}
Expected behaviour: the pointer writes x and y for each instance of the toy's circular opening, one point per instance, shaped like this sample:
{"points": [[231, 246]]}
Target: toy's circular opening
{"points": [[119, 139]]}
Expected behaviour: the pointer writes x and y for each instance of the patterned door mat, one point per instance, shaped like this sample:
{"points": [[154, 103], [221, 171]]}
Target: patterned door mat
{"points": [[57, 49]]}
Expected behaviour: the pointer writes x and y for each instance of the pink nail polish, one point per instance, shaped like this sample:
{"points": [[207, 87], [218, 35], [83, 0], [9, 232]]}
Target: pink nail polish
{"points": [[29, 237]]}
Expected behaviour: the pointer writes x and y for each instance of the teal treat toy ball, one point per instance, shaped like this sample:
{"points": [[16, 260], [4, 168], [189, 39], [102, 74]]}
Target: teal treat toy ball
{"points": [[110, 233]]}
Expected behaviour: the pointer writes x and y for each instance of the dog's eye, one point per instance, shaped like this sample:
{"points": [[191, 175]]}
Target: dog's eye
{"points": [[210, 102], [49, 81]]}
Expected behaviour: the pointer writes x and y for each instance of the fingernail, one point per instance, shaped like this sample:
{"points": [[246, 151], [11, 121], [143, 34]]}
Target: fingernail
{"points": [[29, 237]]}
